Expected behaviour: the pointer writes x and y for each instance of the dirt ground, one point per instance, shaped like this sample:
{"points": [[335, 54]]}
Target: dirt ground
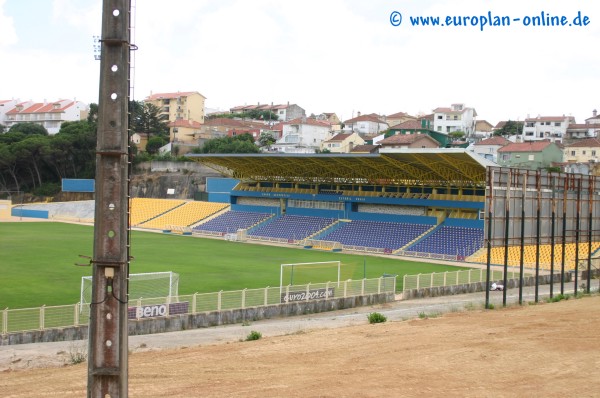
{"points": [[543, 350]]}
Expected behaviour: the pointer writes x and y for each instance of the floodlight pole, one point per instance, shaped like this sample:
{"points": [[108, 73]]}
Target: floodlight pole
{"points": [[108, 342]]}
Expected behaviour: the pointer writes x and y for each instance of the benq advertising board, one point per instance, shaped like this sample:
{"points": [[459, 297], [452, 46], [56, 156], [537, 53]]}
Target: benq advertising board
{"points": [[157, 310]]}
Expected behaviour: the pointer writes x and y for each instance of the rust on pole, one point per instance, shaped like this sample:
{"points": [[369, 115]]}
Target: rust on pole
{"points": [[108, 342]]}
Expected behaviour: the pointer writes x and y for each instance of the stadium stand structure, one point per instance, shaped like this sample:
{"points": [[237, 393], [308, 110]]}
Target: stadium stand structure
{"points": [[384, 202]]}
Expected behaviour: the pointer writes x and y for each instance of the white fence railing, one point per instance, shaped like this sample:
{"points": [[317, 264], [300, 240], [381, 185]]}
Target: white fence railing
{"points": [[451, 278], [27, 319]]}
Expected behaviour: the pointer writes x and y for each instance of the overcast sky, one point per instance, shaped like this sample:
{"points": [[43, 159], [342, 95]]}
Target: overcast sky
{"points": [[341, 56]]}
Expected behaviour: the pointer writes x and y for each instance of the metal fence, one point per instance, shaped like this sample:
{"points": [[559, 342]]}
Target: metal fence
{"points": [[451, 278], [26, 319]]}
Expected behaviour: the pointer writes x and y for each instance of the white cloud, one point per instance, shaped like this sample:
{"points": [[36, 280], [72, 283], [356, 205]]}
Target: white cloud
{"points": [[8, 35]]}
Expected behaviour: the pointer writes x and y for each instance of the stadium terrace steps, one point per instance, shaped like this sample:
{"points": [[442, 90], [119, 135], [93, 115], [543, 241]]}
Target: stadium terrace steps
{"points": [[185, 215], [145, 209], [232, 220]]}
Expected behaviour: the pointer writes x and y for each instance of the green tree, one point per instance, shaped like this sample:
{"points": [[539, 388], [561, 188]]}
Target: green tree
{"points": [[510, 128], [2, 128], [243, 143], [456, 135], [145, 119], [8, 164], [266, 139], [252, 114], [30, 153], [154, 144], [28, 129]]}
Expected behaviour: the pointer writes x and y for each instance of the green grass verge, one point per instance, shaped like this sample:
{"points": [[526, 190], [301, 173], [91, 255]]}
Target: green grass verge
{"points": [[37, 262]]}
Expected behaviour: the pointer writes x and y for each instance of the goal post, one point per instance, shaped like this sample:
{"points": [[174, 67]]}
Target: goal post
{"points": [[304, 273], [145, 285]]}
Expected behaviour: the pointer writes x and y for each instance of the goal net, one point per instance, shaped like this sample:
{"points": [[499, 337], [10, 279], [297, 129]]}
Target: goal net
{"points": [[147, 285], [305, 273]]}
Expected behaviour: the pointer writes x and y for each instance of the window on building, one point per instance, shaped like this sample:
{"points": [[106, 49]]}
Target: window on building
{"points": [[593, 153], [583, 152], [447, 129], [505, 156], [439, 128], [531, 157], [557, 124], [440, 117], [572, 153]]}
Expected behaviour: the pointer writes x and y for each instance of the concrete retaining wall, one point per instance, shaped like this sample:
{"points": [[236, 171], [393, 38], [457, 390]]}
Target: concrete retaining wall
{"points": [[477, 287], [203, 320]]}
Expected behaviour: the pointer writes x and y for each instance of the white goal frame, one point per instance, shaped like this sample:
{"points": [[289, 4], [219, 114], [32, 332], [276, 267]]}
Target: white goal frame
{"points": [[338, 263]]}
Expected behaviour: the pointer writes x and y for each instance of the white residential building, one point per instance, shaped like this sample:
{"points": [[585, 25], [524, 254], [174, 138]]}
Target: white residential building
{"points": [[5, 106], [302, 135], [489, 148], [342, 143], [553, 128], [456, 118], [366, 124], [51, 115]]}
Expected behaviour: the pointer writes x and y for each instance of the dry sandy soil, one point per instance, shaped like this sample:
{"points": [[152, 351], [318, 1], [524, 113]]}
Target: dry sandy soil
{"points": [[543, 350]]}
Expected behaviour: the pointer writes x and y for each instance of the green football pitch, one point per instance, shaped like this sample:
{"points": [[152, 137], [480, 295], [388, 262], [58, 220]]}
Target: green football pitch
{"points": [[37, 262]]}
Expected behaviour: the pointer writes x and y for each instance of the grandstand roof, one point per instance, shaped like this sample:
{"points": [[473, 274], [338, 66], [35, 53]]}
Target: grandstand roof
{"points": [[456, 167]]}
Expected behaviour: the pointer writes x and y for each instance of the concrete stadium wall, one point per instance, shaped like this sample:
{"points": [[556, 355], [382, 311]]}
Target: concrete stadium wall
{"points": [[5, 207], [476, 287], [202, 320]]}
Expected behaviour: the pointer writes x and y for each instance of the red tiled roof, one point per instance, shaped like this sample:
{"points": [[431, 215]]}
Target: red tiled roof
{"points": [[178, 94], [585, 143], [399, 114], [41, 107], [496, 140], [365, 118], [276, 127], [365, 148], [407, 125], [583, 126], [340, 137], [225, 121], [531, 146], [192, 124]]}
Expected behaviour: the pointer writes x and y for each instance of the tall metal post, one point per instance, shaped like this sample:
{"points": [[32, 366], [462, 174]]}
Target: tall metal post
{"points": [[590, 227], [538, 186], [522, 239], [108, 362], [506, 233], [490, 198]]}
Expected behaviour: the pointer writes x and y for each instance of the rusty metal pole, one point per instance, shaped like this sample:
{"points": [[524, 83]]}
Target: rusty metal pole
{"points": [[108, 343]]}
